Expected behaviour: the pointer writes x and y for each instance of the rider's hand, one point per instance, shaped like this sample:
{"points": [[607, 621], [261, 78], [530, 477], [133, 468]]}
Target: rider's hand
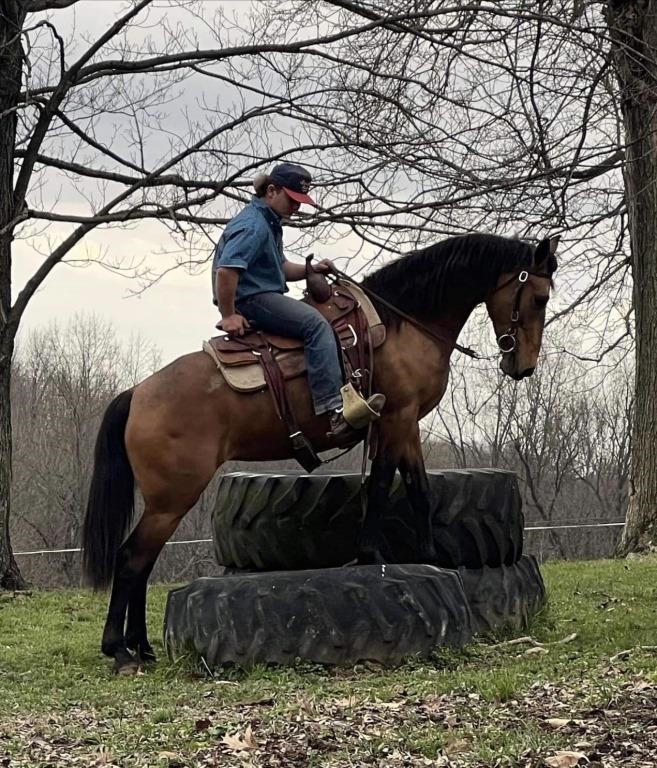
{"points": [[326, 267], [234, 325]]}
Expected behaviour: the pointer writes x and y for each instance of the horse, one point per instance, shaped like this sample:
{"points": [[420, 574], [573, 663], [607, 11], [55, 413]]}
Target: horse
{"points": [[171, 432]]}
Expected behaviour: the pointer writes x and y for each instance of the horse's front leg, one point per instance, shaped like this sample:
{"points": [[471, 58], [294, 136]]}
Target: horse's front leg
{"points": [[396, 431], [414, 477], [382, 474]]}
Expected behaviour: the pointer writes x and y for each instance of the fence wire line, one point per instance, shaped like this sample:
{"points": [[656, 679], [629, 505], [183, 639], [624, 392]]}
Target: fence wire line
{"points": [[206, 541], [79, 549]]}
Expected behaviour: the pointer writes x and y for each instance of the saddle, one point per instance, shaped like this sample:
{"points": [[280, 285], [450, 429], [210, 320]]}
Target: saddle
{"points": [[348, 310], [258, 360]]}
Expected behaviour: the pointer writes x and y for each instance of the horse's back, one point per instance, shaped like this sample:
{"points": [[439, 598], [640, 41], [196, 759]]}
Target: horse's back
{"points": [[168, 393]]}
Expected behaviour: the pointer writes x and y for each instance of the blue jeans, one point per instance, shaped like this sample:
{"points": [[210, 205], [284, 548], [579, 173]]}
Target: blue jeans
{"points": [[276, 313]]}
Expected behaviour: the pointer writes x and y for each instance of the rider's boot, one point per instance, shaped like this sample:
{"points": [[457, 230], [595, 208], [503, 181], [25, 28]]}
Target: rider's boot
{"points": [[356, 412]]}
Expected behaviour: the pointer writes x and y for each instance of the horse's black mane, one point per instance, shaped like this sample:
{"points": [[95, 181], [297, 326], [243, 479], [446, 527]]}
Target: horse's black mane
{"points": [[450, 272]]}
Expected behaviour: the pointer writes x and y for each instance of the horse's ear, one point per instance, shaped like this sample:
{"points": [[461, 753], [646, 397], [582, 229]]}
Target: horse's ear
{"points": [[544, 255]]}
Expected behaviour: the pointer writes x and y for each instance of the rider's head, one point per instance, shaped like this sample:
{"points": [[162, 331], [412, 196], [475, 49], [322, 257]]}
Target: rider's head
{"points": [[285, 188]]}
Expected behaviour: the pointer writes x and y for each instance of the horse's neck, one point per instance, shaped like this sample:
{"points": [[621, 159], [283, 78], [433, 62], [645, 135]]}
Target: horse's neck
{"points": [[449, 322]]}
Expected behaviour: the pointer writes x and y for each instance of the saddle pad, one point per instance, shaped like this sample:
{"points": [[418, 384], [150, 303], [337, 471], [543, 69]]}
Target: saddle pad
{"points": [[371, 315], [250, 377]]}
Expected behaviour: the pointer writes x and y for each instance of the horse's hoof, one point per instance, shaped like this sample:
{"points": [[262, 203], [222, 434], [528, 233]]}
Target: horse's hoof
{"points": [[127, 668], [125, 663], [143, 652]]}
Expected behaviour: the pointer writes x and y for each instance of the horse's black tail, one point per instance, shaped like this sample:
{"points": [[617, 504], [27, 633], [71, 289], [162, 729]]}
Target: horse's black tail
{"points": [[111, 496]]}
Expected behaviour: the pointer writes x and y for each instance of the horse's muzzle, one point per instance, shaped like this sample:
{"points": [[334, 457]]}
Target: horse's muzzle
{"points": [[509, 367], [519, 375], [523, 374]]}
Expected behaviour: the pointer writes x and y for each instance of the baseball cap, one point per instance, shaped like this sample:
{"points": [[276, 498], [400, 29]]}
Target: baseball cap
{"points": [[295, 180]]}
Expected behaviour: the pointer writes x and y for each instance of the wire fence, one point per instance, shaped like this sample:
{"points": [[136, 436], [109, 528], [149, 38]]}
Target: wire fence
{"points": [[527, 529]]}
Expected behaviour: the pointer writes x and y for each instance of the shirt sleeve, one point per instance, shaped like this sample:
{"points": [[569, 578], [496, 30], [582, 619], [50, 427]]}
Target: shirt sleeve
{"points": [[241, 245]]}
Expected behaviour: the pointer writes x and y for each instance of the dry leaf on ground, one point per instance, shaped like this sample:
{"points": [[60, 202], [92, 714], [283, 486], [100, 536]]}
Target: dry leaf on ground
{"points": [[241, 745], [566, 759]]}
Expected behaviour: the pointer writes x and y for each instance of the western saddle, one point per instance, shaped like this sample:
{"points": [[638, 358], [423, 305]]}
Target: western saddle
{"points": [[257, 360]]}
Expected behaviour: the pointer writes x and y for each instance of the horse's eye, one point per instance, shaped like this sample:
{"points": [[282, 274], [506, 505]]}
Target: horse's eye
{"points": [[541, 301]]}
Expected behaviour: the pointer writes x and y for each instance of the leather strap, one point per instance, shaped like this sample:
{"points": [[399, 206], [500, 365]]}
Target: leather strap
{"points": [[301, 447]]}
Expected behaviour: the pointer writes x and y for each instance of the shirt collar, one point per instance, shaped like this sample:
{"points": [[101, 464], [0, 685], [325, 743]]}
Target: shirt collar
{"points": [[269, 213]]}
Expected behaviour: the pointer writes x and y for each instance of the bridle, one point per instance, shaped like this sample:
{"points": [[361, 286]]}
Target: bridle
{"points": [[507, 342]]}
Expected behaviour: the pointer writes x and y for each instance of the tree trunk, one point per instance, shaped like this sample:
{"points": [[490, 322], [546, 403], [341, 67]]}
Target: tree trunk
{"points": [[10, 576], [633, 28], [12, 16]]}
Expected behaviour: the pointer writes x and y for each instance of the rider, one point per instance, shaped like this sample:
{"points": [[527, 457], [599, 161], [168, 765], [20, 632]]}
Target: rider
{"points": [[249, 274]]}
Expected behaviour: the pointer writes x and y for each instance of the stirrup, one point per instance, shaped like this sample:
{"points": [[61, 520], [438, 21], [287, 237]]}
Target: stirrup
{"points": [[358, 412]]}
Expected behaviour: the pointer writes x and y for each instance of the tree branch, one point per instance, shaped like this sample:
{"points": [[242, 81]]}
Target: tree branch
{"points": [[36, 6]]}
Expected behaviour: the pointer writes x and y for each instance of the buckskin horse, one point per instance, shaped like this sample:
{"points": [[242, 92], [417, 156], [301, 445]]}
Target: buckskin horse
{"points": [[171, 432]]}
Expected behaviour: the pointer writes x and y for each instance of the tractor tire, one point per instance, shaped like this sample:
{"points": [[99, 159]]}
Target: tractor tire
{"points": [[330, 616], [292, 521], [506, 597]]}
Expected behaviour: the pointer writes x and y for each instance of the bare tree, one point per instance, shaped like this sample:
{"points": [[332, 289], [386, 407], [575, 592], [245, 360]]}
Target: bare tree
{"points": [[63, 380], [565, 432], [55, 100]]}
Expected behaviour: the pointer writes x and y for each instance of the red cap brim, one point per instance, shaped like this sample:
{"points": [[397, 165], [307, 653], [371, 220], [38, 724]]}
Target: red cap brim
{"points": [[299, 197]]}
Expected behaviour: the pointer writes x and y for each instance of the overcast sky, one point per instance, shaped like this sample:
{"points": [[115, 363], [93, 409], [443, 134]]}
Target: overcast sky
{"points": [[176, 314]]}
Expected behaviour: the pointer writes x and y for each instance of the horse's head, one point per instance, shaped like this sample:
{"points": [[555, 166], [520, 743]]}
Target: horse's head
{"points": [[517, 308]]}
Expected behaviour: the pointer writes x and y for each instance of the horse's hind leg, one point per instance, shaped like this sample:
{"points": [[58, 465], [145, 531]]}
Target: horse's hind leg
{"points": [[136, 634], [134, 563], [113, 643]]}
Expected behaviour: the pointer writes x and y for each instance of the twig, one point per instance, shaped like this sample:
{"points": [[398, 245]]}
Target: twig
{"points": [[624, 654], [519, 641], [530, 641]]}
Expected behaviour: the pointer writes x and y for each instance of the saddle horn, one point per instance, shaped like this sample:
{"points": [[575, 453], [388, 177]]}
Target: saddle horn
{"points": [[316, 284]]}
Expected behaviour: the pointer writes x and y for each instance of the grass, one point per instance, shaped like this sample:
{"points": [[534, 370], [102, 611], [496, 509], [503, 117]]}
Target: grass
{"points": [[486, 705]]}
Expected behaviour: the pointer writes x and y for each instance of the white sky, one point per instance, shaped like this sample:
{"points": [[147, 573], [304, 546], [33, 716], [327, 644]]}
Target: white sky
{"points": [[176, 314]]}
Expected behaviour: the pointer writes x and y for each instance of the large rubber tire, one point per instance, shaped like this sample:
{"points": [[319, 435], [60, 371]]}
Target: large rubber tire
{"points": [[506, 597], [330, 616], [295, 520]]}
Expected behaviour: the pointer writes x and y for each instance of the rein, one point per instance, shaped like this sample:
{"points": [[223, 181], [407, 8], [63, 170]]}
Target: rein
{"points": [[420, 326], [506, 342]]}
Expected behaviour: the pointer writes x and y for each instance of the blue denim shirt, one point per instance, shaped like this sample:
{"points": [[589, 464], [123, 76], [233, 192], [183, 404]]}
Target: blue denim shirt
{"points": [[253, 243]]}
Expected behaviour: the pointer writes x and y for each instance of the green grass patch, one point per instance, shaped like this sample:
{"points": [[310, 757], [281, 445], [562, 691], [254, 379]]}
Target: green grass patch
{"points": [[491, 703]]}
